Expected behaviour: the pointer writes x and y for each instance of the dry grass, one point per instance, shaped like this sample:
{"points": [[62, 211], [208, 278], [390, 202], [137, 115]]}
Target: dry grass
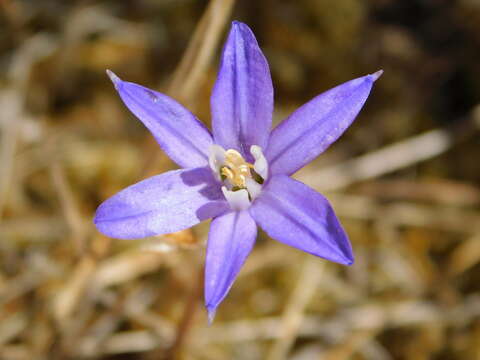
{"points": [[404, 180]]}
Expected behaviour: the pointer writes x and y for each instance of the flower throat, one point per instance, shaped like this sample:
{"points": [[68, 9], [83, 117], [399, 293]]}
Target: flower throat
{"points": [[242, 181], [236, 170]]}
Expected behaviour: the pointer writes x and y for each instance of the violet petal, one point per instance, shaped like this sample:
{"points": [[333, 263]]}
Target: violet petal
{"points": [[162, 204], [180, 134], [242, 98], [230, 240], [293, 213], [314, 126]]}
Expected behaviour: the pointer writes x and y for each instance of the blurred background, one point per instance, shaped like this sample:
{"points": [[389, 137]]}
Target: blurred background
{"points": [[404, 180]]}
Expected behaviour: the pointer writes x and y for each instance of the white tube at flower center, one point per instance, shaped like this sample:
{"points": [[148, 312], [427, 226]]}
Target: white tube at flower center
{"points": [[242, 180], [238, 200]]}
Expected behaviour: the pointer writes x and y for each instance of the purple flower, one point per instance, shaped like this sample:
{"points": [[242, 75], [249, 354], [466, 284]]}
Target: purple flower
{"points": [[240, 174]]}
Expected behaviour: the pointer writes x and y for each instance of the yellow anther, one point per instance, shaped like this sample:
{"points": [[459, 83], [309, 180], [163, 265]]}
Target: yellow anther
{"points": [[228, 173], [236, 169], [233, 158]]}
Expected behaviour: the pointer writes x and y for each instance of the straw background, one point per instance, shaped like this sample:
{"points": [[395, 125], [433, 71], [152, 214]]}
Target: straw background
{"points": [[403, 179]]}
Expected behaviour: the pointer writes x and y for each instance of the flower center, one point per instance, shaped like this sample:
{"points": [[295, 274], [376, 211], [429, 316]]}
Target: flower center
{"points": [[235, 169], [242, 180]]}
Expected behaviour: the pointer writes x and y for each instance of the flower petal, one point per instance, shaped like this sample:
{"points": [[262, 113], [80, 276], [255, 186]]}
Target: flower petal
{"points": [[230, 240], [291, 212], [180, 134], [313, 127], [242, 99], [161, 204]]}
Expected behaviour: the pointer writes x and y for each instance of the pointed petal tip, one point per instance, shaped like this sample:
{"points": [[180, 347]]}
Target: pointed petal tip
{"points": [[346, 257], [237, 23], [342, 258], [211, 314], [241, 27], [376, 75], [115, 79]]}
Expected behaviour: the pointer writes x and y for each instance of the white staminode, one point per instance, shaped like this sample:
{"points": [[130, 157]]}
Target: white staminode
{"points": [[253, 188], [240, 178], [261, 165], [216, 159], [238, 200]]}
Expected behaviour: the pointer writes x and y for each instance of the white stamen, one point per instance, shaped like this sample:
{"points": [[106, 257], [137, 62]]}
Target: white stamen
{"points": [[216, 159], [253, 188], [238, 200], [261, 165]]}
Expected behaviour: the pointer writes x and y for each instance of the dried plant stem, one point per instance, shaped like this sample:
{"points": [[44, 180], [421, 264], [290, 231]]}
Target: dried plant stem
{"points": [[407, 213], [188, 315], [346, 349], [465, 256], [364, 317], [201, 48], [294, 311], [7, 152], [68, 299], [188, 76], [393, 157], [69, 207], [70, 295], [12, 102]]}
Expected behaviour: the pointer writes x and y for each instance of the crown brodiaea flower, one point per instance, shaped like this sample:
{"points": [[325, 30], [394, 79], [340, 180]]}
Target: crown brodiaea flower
{"points": [[238, 175]]}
